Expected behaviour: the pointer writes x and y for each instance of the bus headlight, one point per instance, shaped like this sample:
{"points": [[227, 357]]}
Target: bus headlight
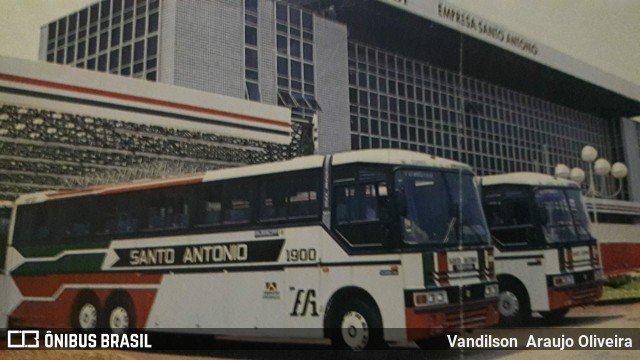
{"points": [[491, 290], [563, 280], [430, 298], [598, 275]]}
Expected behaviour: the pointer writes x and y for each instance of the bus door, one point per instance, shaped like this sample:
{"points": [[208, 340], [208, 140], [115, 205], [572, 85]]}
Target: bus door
{"points": [[521, 259]]}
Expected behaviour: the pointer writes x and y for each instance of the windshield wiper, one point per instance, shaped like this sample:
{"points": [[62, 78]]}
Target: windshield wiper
{"points": [[449, 228], [475, 232]]}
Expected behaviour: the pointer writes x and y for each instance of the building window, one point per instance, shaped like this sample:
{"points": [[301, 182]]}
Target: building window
{"points": [[251, 35], [251, 59], [252, 91]]}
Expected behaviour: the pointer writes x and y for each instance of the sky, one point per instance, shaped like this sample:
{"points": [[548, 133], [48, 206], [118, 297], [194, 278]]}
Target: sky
{"points": [[602, 33]]}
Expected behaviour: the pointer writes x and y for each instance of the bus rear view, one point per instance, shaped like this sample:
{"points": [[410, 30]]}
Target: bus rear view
{"points": [[546, 259]]}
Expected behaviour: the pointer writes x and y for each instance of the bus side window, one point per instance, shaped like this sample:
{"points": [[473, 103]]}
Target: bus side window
{"points": [[32, 226], [166, 209], [291, 196], [212, 212], [208, 209], [74, 219], [236, 204], [118, 215], [357, 210], [510, 220]]}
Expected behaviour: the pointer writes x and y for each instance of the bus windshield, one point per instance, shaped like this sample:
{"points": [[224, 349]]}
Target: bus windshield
{"points": [[562, 215], [439, 208]]}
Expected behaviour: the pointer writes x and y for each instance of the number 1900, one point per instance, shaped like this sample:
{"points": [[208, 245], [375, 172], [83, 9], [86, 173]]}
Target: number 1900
{"points": [[301, 254]]}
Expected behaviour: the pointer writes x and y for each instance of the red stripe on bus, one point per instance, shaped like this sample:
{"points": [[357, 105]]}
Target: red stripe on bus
{"points": [[140, 99], [57, 314], [443, 268], [89, 190], [154, 185], [124, 187], [47, 285]]}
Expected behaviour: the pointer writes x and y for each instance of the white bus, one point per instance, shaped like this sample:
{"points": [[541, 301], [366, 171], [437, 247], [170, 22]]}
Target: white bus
{"points": [[365, 247], [546, 258]]}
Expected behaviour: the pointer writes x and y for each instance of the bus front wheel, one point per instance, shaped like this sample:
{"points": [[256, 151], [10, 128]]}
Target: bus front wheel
{"points": [[119, 313], [357, 327], [513, 305]]}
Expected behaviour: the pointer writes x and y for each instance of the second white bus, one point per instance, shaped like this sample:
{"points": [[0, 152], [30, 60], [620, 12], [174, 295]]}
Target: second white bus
{"points": [[547, 261]]}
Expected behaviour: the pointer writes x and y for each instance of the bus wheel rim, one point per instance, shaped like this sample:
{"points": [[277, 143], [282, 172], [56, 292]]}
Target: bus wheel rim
{"points": [[354, 330], [119, 320], [88, 316], [509, 304]]}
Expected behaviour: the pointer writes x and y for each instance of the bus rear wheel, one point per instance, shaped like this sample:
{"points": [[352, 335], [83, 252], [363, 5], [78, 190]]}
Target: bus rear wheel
{"points": [[119, 313], [85, 314], [357, 327]]}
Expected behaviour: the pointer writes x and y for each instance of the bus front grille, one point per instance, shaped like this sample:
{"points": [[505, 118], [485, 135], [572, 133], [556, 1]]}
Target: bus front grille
{"points": [[469, 317], [585, 295]]}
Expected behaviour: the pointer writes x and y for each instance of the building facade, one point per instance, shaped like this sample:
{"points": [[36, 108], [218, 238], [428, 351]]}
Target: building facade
{"points": [[377, 74], [62, 127]]}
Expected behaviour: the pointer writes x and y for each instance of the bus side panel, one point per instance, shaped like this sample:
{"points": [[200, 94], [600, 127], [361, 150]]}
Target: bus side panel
{"points": [[383, 281], [531, 268], [385, 286], [301, 292], [9, 299], [46, 314], [260, 299], [203, 300]]}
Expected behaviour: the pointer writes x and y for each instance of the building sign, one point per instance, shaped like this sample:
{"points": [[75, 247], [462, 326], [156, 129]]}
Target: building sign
{"points": [[441, 12], [473, 25], [485, 28]]}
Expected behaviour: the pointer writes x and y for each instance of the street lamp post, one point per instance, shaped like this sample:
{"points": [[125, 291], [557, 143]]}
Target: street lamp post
{"points": [[601, 167]]}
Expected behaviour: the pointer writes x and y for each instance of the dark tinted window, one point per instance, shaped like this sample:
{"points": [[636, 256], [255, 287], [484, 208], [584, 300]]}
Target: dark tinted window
{"points": [[360, 213], [508, 213], [291, 196]]}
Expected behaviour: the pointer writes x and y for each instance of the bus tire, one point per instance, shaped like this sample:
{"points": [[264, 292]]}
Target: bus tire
{"points": [[554, 317], [357, 325], [513, 304], [119, 313], [86, 312]]}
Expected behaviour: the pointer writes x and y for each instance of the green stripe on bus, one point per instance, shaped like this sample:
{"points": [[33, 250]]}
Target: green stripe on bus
{"points": [[428, 267], [68, 264], [46, 250]]}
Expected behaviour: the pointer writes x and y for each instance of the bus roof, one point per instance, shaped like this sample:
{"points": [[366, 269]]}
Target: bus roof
{"points": [[526, 178], [396, 157], [376, 156]]}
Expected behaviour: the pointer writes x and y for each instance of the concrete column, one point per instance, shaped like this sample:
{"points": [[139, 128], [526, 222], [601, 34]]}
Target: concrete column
{"points": [[630, 131]]}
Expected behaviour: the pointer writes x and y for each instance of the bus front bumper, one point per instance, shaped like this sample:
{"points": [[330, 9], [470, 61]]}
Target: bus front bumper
{"points": [[424, 323], [576, 295]]}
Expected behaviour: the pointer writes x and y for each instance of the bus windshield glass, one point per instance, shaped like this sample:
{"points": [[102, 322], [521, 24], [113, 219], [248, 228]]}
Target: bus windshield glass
{"points": [[561, 215], [579, 213], [439, 209]]}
